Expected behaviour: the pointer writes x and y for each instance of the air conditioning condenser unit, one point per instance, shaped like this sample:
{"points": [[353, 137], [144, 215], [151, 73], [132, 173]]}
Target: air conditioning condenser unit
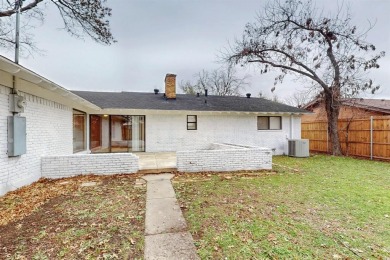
{"points": [[298, 147]]}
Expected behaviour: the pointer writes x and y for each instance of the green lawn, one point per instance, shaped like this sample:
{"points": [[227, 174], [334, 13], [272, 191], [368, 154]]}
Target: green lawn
{"points": [[319, 207]]}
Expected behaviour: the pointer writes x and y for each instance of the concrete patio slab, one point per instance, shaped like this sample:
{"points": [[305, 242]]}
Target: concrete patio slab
{"points": [[162, 164], [170, 246], [157, 161]]}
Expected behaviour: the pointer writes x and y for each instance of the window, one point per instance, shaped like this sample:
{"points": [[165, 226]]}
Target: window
{"points": [[79, 133], [192, 122], [269, 122]]}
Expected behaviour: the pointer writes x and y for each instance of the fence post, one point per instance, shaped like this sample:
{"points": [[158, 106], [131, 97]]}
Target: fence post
{"points": [[371, 135]]}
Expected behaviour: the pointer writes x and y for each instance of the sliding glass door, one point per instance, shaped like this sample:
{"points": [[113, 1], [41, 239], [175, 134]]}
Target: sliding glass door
{"points": [[137, 124], [120, 134], [100, 133], [117, 133]]}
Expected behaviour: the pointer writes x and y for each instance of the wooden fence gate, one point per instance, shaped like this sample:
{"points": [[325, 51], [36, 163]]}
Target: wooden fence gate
{"points": [[367, 137]]}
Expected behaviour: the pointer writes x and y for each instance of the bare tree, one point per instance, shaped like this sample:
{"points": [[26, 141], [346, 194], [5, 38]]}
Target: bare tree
{"points": [[188, 88], [292, 36], [225, 82], [202, 80], [220, 82], [81, 18], [299, 98], [273, 97]]}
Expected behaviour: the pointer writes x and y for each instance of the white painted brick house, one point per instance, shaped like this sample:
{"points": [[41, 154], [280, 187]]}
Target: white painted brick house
{"points": [[74, 124], [48, 116]]}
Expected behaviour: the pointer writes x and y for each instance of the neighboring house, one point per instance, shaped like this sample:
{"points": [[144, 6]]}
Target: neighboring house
{"points": [[352, 108], [60, 122]]}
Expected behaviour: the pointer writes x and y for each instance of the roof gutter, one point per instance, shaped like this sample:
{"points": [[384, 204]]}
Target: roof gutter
{"points": [[30, 76], [113, 111]]}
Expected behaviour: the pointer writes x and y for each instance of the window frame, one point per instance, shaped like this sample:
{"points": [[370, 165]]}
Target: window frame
{"points": [[192, 122], [268, 123], [76, 112]]}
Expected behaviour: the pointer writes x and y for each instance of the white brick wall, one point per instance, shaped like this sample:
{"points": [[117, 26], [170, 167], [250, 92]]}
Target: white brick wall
{"points": [[77, 164], [49, 131], [216, 146], [233, 159], [169, 132]]}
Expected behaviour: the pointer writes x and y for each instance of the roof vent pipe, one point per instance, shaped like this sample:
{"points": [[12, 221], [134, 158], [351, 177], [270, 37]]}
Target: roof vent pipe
{"points": [[248, 95], [205, 92], [156, 91]]}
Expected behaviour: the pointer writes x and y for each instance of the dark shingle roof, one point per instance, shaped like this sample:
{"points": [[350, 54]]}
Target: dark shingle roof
{"points": [[138, 100], [381, 105]]}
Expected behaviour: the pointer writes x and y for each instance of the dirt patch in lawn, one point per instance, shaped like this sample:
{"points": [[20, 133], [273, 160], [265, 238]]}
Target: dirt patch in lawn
{"points": [[62, 219]]}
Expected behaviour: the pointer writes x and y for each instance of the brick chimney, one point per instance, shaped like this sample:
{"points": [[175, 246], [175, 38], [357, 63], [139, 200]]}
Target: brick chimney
{"points": [[170, 86]]}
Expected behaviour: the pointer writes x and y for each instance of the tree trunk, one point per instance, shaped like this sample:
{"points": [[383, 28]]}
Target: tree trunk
{"points": [[332, 106]]}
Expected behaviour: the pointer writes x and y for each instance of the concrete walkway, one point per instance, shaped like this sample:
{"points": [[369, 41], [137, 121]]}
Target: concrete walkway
{"points": [[166, 235], [157, 162]]}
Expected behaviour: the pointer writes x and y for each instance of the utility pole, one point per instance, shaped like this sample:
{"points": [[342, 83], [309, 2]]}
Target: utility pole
{"points": [[18, 6]]}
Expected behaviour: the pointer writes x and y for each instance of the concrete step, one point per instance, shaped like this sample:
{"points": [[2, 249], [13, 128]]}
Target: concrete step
{"points": [[157, 171]]}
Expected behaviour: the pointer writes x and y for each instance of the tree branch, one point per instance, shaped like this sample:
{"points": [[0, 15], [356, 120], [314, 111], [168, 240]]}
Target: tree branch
{"points": [[23, 9]]}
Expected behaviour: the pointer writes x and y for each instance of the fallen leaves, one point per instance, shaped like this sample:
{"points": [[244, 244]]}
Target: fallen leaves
{"points": [[16, 205], [91, 222], [206, 176]]}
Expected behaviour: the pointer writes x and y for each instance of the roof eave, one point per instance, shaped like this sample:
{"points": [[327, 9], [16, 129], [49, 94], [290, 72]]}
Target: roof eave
{"points": [[30, 76], [113, 111]]}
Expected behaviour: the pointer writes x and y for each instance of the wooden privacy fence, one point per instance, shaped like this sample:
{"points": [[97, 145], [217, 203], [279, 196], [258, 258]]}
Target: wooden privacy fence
{"points": [[366, 137]]}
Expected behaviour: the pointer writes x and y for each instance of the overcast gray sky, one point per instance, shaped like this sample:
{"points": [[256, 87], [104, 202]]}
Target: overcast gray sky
{"points": [[175, 36]]}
